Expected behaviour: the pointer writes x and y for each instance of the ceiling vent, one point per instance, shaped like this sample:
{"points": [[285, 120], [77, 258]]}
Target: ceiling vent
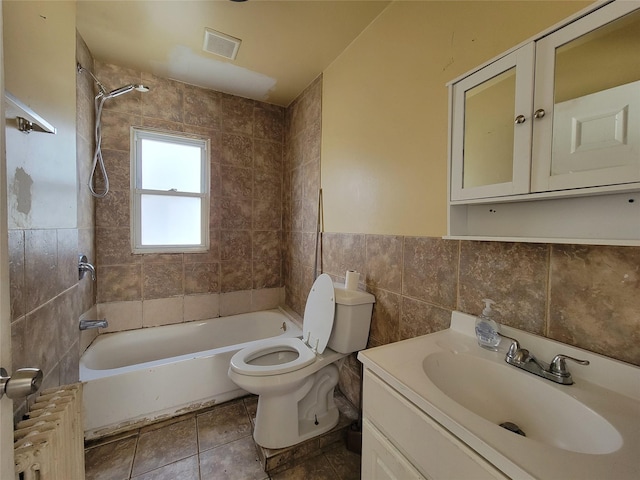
{"points": [[221, 44]]}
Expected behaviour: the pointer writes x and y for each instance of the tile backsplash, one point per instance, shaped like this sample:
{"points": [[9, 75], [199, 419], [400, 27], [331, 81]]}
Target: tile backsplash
{"points": [[586, 296]]}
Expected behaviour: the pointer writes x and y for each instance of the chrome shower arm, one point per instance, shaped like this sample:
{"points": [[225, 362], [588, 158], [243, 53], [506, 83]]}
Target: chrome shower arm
{"points": [[101, 87]]}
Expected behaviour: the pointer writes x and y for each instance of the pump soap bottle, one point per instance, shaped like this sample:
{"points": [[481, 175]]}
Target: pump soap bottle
{"points": [[487, 328]]}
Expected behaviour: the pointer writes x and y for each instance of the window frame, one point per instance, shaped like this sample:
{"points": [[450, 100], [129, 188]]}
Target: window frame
{"points": [[136, 191]]}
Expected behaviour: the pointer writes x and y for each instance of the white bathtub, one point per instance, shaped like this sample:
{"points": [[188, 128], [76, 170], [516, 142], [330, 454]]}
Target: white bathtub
{"points": [[135, 377]]}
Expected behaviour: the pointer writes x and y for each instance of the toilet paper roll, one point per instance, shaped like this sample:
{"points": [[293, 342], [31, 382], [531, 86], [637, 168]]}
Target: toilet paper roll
{"points": [[351, 280]]}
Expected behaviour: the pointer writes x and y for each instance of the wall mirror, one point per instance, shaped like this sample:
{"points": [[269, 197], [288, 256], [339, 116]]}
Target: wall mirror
{"points": [[488, 127], [597, 98]]}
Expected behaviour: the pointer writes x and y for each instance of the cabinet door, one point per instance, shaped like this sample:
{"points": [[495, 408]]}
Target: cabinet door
{"points": [[588, 90], [427, 446], [491, 128], [381, 460]]}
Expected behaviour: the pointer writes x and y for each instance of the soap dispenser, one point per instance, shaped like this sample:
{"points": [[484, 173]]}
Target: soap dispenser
{"points": [[487, 328]]}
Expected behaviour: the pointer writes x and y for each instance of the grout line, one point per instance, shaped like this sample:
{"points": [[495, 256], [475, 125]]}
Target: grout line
{"points": [[547, 310], [335, 471], [401, 293], [457, 305], [135, 453], [198, 439]]}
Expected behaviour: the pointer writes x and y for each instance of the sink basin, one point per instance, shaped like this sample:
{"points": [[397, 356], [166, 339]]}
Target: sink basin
{"points": [[589, 430], [499, 393]]}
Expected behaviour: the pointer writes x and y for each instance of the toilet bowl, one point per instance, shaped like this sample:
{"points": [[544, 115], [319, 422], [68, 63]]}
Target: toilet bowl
{"points": [[295, 378]]}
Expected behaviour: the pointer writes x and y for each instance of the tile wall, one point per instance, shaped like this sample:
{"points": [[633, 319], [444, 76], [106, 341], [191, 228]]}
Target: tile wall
{"points": [[47, 299], [588, 296], [300, 199], [85, 146], [244, 264]]}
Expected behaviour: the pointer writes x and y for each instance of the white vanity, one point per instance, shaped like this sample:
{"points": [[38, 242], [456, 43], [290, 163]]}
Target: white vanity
{"points": [[433, 406], [545, 138]]}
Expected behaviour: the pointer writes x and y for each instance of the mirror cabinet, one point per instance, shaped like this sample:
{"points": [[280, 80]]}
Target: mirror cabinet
{"points": [[554, 121]]}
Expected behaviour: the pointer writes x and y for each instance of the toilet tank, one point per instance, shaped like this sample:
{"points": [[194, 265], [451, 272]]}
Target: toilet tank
{"points": [[352, 320]]}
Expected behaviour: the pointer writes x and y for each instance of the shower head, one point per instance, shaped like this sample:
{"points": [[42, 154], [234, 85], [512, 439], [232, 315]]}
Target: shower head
{"points": [[126, 89], [113, 93]]}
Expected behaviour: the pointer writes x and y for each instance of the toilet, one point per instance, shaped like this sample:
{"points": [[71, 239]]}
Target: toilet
{"points": [[294, 378]]}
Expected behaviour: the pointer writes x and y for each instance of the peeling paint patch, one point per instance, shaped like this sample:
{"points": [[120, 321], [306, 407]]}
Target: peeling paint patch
{"points": [[21, 188], [196, 406], [207, 72]]}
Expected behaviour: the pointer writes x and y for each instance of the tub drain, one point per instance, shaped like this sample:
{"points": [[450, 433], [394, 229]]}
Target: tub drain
{"points": [[512, 427]]}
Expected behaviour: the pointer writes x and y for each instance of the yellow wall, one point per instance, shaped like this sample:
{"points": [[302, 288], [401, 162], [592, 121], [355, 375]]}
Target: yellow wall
{"points": [[40, 69], [385, 108]]}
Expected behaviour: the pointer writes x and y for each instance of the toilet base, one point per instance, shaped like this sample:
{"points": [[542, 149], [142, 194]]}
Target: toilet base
{"points": [[311, 428], [285, 420]]}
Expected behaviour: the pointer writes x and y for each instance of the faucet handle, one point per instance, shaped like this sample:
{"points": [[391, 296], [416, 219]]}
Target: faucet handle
{"points": [[513, 348], [558, 365]]}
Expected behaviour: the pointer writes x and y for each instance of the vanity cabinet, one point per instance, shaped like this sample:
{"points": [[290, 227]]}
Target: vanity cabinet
{"points": [[555, 118], [401, 442], [381, 460]]}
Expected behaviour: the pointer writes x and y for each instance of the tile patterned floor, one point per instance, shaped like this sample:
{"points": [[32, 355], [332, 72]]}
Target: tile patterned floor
{"points": [[206, 445]]}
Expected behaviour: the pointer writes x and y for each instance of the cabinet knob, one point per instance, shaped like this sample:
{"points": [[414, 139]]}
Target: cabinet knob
{"points": [[539, 113], [520, 119]]}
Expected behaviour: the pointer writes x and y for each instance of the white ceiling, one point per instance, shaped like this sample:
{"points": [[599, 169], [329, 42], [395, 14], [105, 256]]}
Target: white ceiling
{"points": [[285, 44]]}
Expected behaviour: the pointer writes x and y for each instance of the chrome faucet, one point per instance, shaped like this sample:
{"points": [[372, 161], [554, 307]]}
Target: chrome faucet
{"points": [[85, 266], [87, 324], [556, 371]]}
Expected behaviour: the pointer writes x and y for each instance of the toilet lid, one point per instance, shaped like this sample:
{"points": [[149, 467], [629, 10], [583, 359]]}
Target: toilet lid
{"points": [[318, 314]]}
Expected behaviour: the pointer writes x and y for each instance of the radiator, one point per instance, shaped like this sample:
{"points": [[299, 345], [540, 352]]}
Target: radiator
{"points": [[49, 445]]}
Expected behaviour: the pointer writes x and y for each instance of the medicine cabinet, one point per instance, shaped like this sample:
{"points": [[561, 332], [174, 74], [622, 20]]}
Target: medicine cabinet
{"points": [[545, 139]]}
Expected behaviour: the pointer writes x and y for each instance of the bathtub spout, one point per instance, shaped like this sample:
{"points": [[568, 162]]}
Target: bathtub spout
{"points": [[87, 324]]}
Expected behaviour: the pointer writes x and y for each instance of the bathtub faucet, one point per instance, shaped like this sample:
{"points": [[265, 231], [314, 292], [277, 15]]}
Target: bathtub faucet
{"points": [[87, 324]]}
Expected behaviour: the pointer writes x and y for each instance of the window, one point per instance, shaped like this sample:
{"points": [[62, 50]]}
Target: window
{"points": [[169, 193]]}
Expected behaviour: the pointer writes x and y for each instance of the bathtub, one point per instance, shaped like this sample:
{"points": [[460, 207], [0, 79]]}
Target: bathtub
{"points": [[136, 377]]}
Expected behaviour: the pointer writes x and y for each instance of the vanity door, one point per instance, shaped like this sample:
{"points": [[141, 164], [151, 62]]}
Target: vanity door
{"points": [[586, 128], [491, 128]]}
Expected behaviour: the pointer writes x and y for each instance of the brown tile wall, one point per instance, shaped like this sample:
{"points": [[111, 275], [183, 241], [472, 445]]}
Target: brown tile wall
{"points": [[587, 296], [85, 144], [246, 191], [300, 197], [47, 299]]}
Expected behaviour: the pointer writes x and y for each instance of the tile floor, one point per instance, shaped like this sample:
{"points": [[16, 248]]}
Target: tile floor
{"points": [[210, 444]]}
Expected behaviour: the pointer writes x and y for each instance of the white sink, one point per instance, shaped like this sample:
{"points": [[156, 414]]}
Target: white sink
{"points": [[588, 430], [501, 393]]}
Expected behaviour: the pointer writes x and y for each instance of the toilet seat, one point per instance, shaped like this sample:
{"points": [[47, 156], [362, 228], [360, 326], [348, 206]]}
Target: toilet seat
{"points": [[269, 357], [241, 361]]}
